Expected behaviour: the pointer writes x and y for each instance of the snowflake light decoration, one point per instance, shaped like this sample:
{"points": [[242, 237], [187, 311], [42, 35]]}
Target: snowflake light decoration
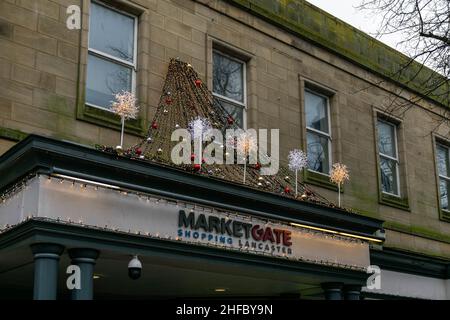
{"points": [[125, 105], [339, 173], [199, 127], [246, 143], [297, 160]]}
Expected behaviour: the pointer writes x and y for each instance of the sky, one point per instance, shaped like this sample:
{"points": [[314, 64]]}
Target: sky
{"points": [[346, 11]]}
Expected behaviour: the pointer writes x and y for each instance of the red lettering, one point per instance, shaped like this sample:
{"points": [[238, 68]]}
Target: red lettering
{"points": [[287, 238], [268, 235], [278, 234], [257, 233]]}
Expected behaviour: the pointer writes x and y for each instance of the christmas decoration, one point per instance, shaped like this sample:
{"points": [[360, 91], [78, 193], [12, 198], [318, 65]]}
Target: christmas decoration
{"points": [[246, 145], [190, 102], [297, 161], [339, 174], [199, 128], [94, 186], [125, 107]]}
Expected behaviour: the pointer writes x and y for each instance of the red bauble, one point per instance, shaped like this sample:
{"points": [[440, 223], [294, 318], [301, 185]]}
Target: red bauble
{"points": [[287, 190], [230, 120], [258, 166], [138, 151], [154, 125], [198, 83], [168, 100], [192, 157], [197, 167]]}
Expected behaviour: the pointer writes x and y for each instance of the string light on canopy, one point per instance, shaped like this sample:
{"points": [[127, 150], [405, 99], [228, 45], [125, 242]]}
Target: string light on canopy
{"points": [[125, 106], [339, 174], [297, 161]]}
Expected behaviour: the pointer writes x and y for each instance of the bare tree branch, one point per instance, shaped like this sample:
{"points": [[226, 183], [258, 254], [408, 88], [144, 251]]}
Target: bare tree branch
{"points": [[425, 29]]}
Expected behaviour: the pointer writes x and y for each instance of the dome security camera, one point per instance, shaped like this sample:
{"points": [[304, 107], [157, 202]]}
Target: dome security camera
{"points": [[134, 268]]}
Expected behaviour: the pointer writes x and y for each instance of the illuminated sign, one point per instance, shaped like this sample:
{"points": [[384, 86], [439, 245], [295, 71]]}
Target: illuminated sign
{"points": [[178, 221], [233, 232]]}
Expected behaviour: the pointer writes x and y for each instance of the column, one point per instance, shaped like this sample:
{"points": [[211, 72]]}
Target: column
{"points": [[46, 265], [85, 259], [352, 292], [332, 290]]}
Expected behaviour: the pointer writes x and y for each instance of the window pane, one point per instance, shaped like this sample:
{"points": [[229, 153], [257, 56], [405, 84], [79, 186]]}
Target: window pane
{"points": [[237, 112], [444, 187], [111, 32], [389, 176], [228, 77], [316, 112], [386, 139], [104, 79], [318, 154], [443, 161]]}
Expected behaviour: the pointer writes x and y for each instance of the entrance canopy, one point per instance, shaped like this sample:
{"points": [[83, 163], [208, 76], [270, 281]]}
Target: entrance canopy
{"points": [[194, 233]]}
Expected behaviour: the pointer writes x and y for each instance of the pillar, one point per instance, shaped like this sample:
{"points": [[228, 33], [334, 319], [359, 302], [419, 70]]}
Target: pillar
{"points": [[85, 259], [332, 290], [352, 292], [46, 265]]}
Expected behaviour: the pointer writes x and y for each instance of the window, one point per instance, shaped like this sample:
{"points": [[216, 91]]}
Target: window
{"points": [[443, 164], [229, 85], [388, 152], [111, 66], [318, 133]]}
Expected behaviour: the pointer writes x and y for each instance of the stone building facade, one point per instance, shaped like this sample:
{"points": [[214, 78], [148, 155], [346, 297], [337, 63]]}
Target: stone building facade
{"points": [[286, 56]]}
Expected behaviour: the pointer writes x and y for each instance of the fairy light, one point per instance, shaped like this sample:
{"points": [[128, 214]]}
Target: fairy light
{"points": [[339, 174], [83, 182], [297, 161], [125, 106], [225, 246], [246, 145]]}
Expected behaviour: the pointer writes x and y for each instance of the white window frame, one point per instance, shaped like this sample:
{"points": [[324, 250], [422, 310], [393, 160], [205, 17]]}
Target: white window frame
{"points": [[396, 158], [438, 144], [108, 57], [242, 104], [321, 133]]}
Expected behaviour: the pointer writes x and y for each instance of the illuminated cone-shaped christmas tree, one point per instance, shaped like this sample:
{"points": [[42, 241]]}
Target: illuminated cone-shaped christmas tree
{"points": [[185, 103]]}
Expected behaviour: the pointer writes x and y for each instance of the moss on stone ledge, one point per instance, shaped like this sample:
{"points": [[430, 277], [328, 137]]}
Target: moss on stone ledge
{"points": [[11, 134], [417, 231]]}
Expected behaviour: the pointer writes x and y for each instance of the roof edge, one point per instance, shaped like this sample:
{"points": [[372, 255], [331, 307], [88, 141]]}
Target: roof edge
{"points": [[327, 31], [48, 156]]}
